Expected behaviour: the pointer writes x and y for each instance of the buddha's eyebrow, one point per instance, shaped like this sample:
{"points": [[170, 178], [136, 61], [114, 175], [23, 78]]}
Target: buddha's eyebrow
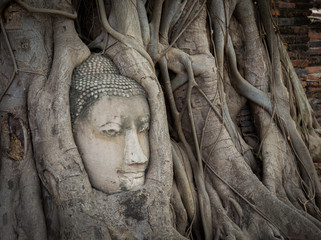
{"points": [[117, 121]]}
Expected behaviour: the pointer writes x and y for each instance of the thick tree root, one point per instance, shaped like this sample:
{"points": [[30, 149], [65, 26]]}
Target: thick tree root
{"points": [[21, 207]]}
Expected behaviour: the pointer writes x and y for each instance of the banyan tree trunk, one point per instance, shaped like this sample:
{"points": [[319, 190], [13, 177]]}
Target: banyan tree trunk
{"points": [[209, 58], [233, 188]]}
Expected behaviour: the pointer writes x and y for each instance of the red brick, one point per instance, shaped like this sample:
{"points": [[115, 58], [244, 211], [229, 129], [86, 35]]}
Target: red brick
{"points": [[299, 55], [244, 112], [314, 95], [315, 89], [247, 129], [315, 43], [286, 5], [294, 30], [296, 38], [303, 5], [314, 77], [301, 72], [244, 118], [300, 30], [314, 83], [300, 63], [314, 69], [315, 27], [293, 21], [314, 35], [298, 46], [315, 60], [246, 123], [315, 51], [294, 12]]}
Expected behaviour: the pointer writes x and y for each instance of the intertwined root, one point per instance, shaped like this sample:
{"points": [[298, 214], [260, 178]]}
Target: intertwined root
{"points": [[279, 173], [215, 183]]}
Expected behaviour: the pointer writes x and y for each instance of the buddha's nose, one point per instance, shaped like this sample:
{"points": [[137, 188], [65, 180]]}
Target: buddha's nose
{"points": [[133, 150]]}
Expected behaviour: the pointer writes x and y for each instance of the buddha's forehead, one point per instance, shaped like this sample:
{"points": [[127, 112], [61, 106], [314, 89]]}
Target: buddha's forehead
{"points": [[119, 109]]}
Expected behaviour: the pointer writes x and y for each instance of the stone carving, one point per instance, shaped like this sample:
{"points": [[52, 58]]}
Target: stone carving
{"points": [[110, 117]]}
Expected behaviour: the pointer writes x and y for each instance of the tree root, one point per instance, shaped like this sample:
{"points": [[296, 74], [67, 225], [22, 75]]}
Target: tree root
{"points": [[143, 22], [229, 193], [198, 173], [120, 37], [183, 185], [242, 86], [191, 19], [249, 196], [287, 124], [154, 25], [20, 190], [15, 68], [180, 218], [301, 102], [46, 11], [171, 12], [224, 227]]}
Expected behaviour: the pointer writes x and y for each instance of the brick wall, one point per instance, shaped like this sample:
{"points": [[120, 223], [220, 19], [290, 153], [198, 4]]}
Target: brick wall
{"points": [[303, 41], [313, 78]]}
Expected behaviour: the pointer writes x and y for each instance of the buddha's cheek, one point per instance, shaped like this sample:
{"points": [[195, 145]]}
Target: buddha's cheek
{"points": [[103, 159], [144, 143]]}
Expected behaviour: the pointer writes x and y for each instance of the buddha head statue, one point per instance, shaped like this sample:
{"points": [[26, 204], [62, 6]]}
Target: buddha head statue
{"points": [[110, 118]]}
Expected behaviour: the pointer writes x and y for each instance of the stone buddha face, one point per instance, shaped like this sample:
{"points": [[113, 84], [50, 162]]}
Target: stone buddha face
{"points": [[111, 133]]}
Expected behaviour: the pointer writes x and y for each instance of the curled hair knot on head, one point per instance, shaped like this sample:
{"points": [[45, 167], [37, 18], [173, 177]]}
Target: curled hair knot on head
{"points": [[96, 77]]}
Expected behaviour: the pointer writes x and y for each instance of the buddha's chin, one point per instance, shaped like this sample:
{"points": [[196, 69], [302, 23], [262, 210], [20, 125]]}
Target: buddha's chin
{"points": [[127, 181], [131, 181]]}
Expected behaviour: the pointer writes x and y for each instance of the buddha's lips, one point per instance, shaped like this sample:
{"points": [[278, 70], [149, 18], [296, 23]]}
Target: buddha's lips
{"points": [[133, 174]]}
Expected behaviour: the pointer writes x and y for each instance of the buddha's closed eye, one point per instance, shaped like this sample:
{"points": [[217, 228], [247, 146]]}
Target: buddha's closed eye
{"points": [[111, 129]]}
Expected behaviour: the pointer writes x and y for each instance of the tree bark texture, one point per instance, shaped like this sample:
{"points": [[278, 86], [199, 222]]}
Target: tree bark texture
{"points": [[200, 62]]}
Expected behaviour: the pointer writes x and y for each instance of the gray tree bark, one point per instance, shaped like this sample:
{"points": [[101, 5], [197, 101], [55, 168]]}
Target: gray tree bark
{"points": [[199, 62]]}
